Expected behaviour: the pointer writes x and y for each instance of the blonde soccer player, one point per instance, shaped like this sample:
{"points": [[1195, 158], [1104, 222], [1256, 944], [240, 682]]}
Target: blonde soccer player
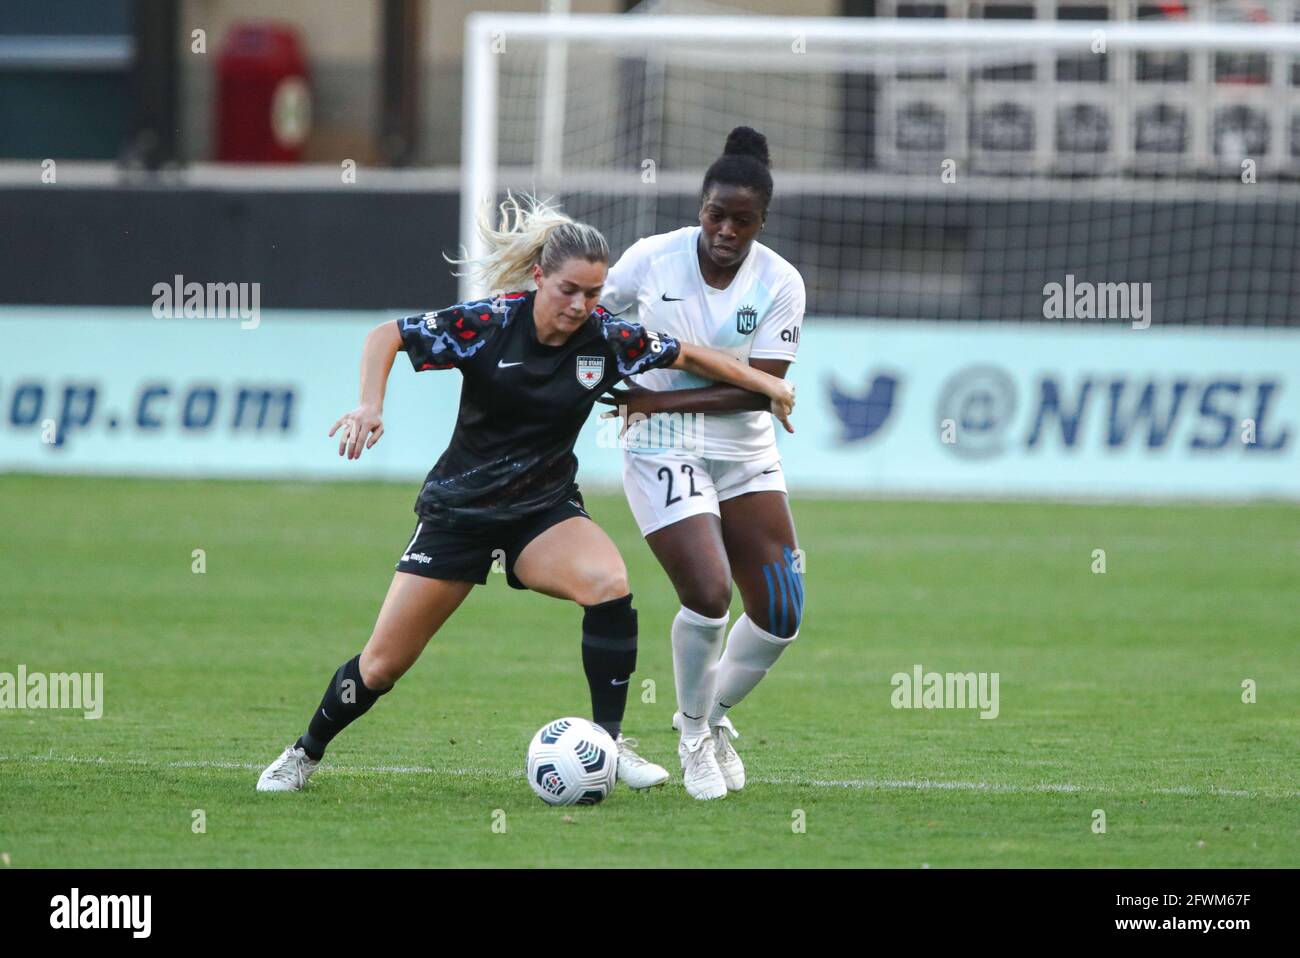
{"points": [[532, 361]]}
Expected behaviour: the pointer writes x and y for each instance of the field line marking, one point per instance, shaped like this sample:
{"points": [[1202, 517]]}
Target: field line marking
{"points": [[856, 784]]}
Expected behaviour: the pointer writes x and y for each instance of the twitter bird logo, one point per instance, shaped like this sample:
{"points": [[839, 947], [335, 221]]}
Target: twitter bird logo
{"points": [[861, 417]]}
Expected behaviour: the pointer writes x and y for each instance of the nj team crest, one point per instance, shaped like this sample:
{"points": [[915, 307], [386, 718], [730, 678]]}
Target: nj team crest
{"points": [[591, 369], [746, 320]]}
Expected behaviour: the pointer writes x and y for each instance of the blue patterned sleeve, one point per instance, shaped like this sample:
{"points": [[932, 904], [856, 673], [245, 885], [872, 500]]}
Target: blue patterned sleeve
{"points": [[636, 349], [445, 338]]}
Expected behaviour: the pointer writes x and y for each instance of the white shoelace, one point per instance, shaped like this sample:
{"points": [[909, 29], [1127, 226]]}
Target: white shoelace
{"points": [[722, 742], [702, 752], [625, 754], [287, 769]]}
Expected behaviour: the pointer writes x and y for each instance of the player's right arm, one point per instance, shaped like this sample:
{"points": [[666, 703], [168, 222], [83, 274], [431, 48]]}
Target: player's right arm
{"points": [[438, 340], [363, 426]]}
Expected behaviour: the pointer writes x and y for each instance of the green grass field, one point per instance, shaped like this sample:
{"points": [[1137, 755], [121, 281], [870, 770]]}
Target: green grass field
{"points": [[1119, 691]]}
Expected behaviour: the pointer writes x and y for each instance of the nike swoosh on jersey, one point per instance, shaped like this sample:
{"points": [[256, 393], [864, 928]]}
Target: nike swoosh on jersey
{"points": [[671, 299], [617, 682], [504, 365]]}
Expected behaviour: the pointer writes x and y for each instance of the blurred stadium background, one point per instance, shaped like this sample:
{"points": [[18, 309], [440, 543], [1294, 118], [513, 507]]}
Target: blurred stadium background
{"points": [[933, 192]]}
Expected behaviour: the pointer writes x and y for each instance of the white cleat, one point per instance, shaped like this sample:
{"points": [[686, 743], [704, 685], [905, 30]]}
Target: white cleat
{"points": [[733, 769], [635, 771], [288, 773], [700, 768], [729, 763]]}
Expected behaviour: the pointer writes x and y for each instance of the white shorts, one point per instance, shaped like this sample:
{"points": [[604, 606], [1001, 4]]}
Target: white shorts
{"points": [[663, 488]]}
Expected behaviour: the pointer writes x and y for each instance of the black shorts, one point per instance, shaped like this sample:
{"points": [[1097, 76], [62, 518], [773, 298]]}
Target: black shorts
{"points": [[468, 556]]}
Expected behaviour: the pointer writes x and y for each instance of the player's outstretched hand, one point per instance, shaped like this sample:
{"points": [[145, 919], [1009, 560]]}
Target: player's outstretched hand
{"points": [[361, 429], [624, 401], [627, 396], [783, 402]]}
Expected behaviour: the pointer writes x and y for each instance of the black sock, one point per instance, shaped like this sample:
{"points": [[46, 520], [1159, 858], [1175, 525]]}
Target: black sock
{"points": [[345, 701], [609, 659]]}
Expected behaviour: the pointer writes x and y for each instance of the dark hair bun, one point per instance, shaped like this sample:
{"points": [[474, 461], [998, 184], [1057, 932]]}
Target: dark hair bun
{"points": [[746, 141]]}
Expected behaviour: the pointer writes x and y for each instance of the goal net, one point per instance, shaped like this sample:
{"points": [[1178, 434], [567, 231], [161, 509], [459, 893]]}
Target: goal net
{"points": [[942, 160]]}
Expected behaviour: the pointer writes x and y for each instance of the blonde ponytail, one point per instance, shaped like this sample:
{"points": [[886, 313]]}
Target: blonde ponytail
{"points": [[531, 231]]}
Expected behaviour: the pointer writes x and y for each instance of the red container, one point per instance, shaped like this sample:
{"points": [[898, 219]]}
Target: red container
{"points": [[263, 95]]}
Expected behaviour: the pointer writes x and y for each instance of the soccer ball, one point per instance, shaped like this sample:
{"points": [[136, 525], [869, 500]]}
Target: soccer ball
{"points": [[572, 762]]}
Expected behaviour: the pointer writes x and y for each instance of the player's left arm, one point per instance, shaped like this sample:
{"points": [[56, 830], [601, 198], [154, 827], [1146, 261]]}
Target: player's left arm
{"points": [[775, 343], [636, 349], [718, 398], [777, 394]]}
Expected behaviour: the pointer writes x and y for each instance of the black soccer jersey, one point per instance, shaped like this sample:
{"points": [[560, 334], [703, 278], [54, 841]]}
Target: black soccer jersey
{"points": [[522, 403]]}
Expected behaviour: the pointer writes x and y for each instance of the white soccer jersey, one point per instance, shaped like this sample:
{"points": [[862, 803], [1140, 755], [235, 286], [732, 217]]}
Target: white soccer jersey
{"points": [[756, 317]]}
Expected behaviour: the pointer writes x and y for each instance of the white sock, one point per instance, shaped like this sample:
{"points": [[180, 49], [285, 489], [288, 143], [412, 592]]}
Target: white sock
{"points": [[697, 640], [750, 653]]}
